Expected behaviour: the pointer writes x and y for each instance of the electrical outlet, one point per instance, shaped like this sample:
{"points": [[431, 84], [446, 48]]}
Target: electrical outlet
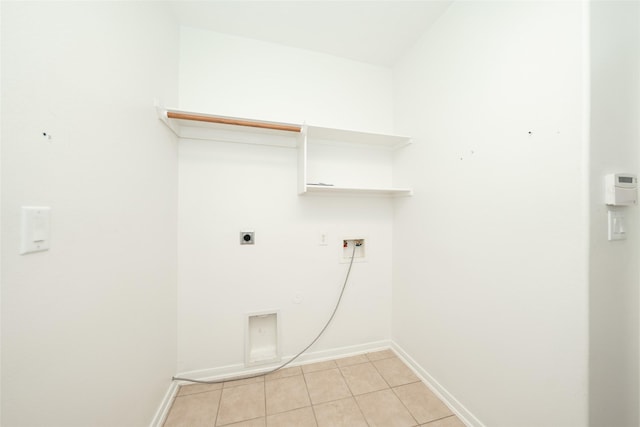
{"points": [[247, 238]]}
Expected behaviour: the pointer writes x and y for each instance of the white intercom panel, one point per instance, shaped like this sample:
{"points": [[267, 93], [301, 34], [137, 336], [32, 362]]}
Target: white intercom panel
{"points": [[621, 189]]}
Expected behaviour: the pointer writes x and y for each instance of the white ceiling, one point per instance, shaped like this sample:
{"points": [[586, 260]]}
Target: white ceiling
{"points": [[377, 32]]}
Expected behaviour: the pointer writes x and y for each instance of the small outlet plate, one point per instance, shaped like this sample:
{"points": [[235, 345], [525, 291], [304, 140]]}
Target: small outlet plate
{"points": [[247, 238], [323, 238]]}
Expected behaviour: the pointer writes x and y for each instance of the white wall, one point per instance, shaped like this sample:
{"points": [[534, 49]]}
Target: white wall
{"points": [[235, 76], [227, 187], [614, 273], [490, 289], [89, 327]]}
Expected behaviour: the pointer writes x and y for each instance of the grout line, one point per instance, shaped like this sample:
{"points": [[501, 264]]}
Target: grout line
{"points": [[371, 392], [243, 421], [405, 406], [288, 389], [345, 381], [238, 383], [315, 416], [417, 380], [400, 385], [360, 410], [331, 400], [215, 422], [382, 358], [380, 373], [336, 400], [239, 421], [335, 365], [440, 419], [354, 364], [197, 392], [266, 377], [306, 387], [264, 391]]}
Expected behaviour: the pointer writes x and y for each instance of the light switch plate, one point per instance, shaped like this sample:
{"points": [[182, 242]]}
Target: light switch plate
{"points": [[617, 225], [35, 235]]}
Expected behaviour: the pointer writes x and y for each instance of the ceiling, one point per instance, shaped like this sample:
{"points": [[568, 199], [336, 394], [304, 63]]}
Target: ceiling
{"points": [[377, 32]]}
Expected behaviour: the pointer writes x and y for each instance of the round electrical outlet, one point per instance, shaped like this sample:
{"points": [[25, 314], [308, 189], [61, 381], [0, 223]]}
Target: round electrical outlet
{"points": [[247, 238]]}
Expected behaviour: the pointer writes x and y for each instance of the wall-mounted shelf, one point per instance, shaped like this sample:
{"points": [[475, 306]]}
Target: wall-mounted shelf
{"points": [[330, 161], [316, 133], [191, 125], [337, 161], [321, 189]]}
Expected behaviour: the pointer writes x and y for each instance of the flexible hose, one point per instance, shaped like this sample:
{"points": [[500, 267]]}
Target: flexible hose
{"points": [[326, 325]]}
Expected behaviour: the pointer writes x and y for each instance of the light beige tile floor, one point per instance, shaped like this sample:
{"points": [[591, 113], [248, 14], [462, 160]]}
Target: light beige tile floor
{"points": [[373, 389]]}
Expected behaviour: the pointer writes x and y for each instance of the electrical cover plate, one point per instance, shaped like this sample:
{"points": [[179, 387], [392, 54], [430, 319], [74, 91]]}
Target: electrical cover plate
{"points": [[616, 225], [247, 237], [36, 229]]}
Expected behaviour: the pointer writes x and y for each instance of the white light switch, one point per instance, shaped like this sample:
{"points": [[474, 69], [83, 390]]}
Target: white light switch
{"points": [[617, 225], [323, 238], [36, 229]]}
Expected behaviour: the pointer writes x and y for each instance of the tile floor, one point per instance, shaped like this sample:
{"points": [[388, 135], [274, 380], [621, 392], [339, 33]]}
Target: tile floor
{"points": [[373, 389]]}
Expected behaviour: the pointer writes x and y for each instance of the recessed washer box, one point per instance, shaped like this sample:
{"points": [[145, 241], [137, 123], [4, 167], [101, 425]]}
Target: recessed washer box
{"points": [[262, 339], [360, 254]]}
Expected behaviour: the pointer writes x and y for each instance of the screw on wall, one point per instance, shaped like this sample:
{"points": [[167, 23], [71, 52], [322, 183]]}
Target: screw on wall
{"points": [[471, 153]]}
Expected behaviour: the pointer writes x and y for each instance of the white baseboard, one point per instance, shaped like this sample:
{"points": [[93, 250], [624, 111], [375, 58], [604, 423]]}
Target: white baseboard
{"points": [[456, 407], [239, 369], [316, 356], [165, 405]]}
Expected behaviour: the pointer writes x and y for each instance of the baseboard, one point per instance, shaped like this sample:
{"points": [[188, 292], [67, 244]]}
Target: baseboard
{"points": [[165, 405], [312, 357], [456, 407], [239, 369]]}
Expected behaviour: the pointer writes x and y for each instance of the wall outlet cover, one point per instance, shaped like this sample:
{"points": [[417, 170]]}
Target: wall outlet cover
{"points": [[247, 237]]}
